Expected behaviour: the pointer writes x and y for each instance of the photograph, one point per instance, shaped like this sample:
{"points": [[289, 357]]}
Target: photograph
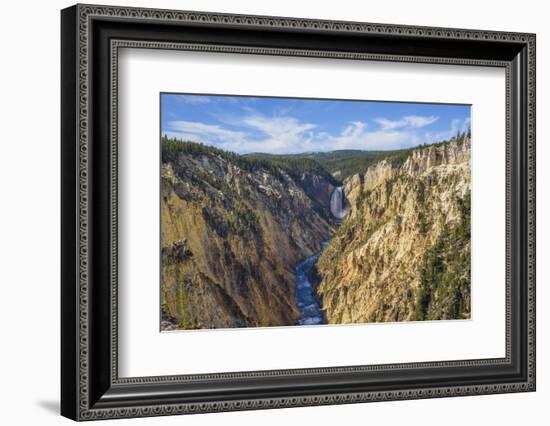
{"points": [[279, 211], [265, 208]]}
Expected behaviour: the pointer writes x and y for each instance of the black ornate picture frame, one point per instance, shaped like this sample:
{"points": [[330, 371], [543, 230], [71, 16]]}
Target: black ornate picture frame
{"points": [[91, 37]]}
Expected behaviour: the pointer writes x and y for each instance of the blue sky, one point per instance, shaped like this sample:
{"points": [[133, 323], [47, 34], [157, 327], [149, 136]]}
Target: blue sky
{"points": [[286, 125]]}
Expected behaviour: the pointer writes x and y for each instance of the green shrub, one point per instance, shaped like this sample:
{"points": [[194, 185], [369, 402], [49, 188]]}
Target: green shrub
{"points": [[444, 291]]}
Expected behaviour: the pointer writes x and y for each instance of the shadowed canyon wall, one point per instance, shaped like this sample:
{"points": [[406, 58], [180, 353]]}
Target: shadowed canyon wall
{"points": [[230, 240]]}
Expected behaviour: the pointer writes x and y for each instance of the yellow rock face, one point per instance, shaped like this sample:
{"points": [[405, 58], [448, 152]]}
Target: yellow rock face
{"points": [[229, 243], [373, 267]]}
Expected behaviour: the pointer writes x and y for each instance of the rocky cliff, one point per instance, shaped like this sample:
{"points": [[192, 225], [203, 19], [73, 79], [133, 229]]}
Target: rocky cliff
{"points": [[403, 253], [231, 233], [318, 188]]}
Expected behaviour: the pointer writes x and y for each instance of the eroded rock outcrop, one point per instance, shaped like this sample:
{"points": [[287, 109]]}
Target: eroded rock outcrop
{"points": [[230, 240], [404, 251]]}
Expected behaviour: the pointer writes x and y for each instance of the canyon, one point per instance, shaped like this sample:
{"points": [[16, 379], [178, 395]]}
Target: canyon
{"points": [[257, 241]]}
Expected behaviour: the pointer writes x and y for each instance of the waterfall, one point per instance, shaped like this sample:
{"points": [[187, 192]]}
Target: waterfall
{"points": [[337, 203]]}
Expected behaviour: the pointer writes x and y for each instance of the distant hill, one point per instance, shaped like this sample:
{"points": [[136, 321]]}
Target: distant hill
{"points": [[344, 163], [293, 165], [334, 166], [340, 164]]}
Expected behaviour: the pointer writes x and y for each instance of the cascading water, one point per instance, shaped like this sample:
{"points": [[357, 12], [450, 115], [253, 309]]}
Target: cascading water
{"points": [[337, 203], [308, 304]]}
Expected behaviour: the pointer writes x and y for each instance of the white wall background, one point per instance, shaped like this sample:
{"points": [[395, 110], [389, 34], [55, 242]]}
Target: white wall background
{"points": [[29, 213]]}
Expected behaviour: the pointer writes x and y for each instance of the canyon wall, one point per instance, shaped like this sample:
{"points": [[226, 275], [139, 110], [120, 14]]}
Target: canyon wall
{"points": [[230, 240], [403, 252]]}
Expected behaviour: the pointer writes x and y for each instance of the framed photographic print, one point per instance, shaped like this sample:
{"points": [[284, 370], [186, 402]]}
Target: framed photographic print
{"points": [[263, 212]]}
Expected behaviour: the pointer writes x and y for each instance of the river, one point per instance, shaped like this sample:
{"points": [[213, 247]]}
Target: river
{"points": [[311, 312], [306, 299]]}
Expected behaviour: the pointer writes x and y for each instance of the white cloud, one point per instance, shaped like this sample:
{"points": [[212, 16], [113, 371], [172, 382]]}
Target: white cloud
{"points": [[282, 134], [205, 133], [356, 136], [193, 99], [207, 129], [285, 134], [409, 121], [457, 125], [461, 125], [417, 121], [264, 134], [278, 126], [386, 124]]}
